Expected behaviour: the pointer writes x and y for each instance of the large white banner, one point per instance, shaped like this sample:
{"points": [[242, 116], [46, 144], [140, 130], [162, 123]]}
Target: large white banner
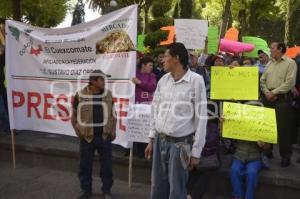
{"points": [[45, 68]]}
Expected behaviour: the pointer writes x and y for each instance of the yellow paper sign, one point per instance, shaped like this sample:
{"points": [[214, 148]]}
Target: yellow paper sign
{"points": [[239, 83], [250, 123]]}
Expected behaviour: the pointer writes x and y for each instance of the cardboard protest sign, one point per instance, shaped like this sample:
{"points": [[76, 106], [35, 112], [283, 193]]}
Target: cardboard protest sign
{"points": [[191, 32], [141, 46], [239, 83], [138, 123], [213, 40], [249, 123]]}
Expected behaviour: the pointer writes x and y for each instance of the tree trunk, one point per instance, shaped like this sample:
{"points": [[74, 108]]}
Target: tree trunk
{"points": [[252, 19], [243, 23], [146, 9], [17, 10], [186, 9], [225, 18], [230, 21], [287, 35]]}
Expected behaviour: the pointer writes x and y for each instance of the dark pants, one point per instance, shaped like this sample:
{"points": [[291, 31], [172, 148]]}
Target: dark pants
{"points": [[198, 183], [87, 151], [4, 119], [139, 149], [283, 109]]}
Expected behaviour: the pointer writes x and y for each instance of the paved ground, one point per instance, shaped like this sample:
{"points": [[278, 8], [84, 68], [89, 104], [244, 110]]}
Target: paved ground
{"points": [[28, 183], [31, 183], [47, 164]]}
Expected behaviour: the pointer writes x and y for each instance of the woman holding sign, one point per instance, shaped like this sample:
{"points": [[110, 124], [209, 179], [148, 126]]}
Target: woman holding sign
{"points": [[246, 163], [245, 167], [145, 82]]}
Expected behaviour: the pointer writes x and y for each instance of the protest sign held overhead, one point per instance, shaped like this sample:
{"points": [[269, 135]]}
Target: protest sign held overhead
{"points": [[239, 83], [191, 32]]}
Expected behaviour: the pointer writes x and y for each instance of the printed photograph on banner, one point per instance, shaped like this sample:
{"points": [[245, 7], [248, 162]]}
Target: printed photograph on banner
{"points": [[117, 41]]}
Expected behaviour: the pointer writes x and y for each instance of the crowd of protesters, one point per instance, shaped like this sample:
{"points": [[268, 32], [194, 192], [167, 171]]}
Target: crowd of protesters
{"points": [[279, 89]]}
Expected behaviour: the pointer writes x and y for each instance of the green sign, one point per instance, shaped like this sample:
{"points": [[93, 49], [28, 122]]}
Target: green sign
{"points": [[213, 40], [141, 46], [259, 44]]}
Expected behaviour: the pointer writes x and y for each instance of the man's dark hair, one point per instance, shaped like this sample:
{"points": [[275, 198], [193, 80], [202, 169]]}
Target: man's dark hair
{"points": [[281, 46], [144, 60], [158, 51], [178, 49], [236, 58]]}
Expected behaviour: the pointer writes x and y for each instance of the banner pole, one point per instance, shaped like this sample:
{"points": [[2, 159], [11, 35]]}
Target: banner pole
{"points": [[130, 168], [13, 147]]}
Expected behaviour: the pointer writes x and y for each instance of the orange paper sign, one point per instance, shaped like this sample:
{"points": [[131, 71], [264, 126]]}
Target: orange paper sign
{"points": [[232, 34], [170, 39], [292, 52]]}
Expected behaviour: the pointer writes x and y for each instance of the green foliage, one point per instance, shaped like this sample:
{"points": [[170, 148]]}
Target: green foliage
{"points": [[256, 17], [161, 13], [160, 22], [176, 11], [197, 9], [153, 39], [158, 50], [160, 8], [186, 7], [43, 13]]}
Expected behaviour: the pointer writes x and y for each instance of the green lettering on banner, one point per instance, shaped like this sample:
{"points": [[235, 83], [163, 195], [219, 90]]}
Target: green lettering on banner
{"points": [[213, 40], [250, 123], [141, 46], [259, 44]]}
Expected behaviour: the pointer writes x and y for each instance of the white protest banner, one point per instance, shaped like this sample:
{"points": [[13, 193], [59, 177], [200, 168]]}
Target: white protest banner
{"points": [[138, 123], [45, 68], [191, 32]]}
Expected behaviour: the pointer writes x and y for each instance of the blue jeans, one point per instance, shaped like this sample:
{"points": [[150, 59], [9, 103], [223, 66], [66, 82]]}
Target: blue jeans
{"points": [[169, 178], [239, 170], [4, 116], [87, 151]]}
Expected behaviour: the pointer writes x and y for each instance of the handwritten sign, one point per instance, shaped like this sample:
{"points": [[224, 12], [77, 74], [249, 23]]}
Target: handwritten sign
{"points": [[138, 123], [239, 83], [191, 32], [250, 123]]}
